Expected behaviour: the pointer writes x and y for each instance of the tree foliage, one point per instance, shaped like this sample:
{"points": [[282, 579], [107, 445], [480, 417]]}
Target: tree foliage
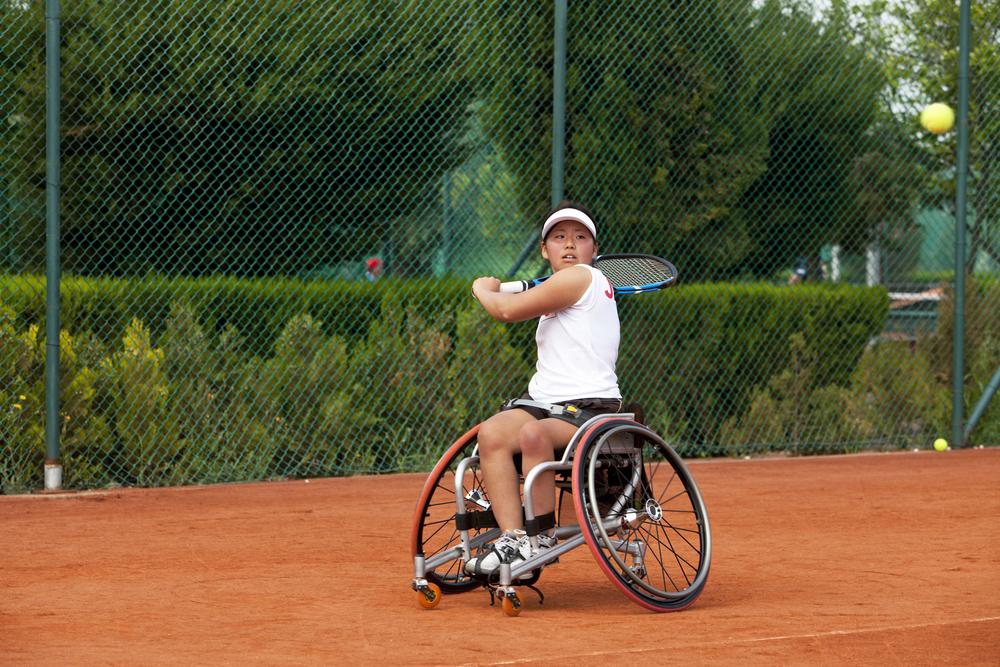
{"points": [[824, 140], [723, 134], [924, 41], [730, 135], [244, 139]]}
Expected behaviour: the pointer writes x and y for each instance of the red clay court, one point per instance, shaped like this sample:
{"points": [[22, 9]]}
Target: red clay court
{"points": [[888, 559]]}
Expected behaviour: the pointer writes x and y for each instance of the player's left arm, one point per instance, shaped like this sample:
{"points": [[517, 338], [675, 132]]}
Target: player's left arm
{"points": [[560, 291]]}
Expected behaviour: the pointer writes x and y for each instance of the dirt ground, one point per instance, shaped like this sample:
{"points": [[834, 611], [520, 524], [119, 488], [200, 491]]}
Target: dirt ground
{"points": [[887, 559]]}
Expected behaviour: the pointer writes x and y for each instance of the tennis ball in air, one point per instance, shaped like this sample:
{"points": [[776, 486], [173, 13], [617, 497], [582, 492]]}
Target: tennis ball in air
{"points": [[940, 444], [937, 118]]}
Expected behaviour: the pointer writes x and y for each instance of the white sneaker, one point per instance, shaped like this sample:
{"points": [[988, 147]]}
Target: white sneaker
{"points": [[512, 547]]}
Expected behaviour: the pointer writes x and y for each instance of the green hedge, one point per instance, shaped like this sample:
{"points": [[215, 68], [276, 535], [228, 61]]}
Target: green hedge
{"points": [[176, 381], [898, 396], [258, 309], [694, 354], [982, 350]]}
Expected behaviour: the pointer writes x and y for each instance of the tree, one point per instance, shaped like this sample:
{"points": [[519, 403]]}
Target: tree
{"points": [[920, 44], [839, 170], [17, 41], [654, 144], [718, 133], [249, 140]]}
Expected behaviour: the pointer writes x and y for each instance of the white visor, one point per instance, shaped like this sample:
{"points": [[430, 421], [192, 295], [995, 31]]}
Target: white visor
{"points": [[569, 214]]}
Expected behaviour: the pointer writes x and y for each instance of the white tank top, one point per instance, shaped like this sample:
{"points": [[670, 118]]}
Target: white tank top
{"points": [[578, 347]]}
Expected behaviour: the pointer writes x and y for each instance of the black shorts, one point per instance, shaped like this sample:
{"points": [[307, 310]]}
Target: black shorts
{"points": [[588, 408]]}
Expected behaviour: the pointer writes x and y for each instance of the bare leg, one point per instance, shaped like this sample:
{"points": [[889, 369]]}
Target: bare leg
{"points": [[538, 441], [498, 442], [505, 434]]}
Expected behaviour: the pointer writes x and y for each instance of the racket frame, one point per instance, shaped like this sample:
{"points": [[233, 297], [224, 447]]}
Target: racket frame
{"points": [[516, 286]]}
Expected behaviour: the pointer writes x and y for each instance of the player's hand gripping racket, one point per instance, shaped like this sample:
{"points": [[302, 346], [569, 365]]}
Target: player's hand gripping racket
{"points": [[629, 273]]}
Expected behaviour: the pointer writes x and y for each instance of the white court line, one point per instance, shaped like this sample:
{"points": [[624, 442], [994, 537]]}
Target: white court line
{"points": [[805, 458], [734, 642]]}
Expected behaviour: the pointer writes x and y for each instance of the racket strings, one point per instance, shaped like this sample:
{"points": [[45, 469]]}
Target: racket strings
{"points": [[629, 271]]}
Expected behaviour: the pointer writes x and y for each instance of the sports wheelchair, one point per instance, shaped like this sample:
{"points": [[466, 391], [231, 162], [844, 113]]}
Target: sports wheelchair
{"points": [[636, 507]]}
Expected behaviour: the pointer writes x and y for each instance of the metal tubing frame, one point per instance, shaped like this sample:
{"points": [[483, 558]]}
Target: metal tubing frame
{"points": [[572, 542], [467, 544], [564, 463], [422, 564], [541, 559]]}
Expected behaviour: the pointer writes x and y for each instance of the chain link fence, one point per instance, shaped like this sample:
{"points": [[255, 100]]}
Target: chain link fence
{"points": [[272, 211]]}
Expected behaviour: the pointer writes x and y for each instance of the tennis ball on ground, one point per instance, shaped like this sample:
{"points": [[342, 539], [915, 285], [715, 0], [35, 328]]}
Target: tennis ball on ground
{"points": [[940, 444], [937, 118]]}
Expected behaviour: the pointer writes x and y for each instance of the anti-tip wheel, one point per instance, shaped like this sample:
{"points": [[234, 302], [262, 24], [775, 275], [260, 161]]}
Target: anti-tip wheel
{"points": [[429, 596]]}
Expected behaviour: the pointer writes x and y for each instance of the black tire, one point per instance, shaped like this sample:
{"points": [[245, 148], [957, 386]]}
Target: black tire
{"points": [[665, 515]]}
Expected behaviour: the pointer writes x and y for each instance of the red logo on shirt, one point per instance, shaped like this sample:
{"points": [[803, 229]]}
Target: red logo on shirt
{"points": [[610, 292]]}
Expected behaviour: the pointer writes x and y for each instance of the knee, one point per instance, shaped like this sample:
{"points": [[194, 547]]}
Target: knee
{"points": [[533, 442], [492, 438]]}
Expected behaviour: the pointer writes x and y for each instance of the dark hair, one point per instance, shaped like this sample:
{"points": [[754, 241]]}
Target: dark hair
{"points": [[569, 203]]}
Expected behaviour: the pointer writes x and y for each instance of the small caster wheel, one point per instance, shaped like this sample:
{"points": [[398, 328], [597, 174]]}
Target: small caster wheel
{"points": [[429, 596], [511, 605]]}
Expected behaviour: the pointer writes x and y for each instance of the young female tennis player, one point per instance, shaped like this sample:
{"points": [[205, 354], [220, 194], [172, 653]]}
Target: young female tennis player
{"points": [[577, 339]]}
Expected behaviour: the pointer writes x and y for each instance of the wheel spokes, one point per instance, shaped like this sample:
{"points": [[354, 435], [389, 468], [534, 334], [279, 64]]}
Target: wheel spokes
{"points": [[662, 526]]}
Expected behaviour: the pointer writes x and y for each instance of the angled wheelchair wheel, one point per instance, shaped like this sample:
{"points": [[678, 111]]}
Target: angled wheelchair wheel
{"points": [[435, 531], [641, 514]]}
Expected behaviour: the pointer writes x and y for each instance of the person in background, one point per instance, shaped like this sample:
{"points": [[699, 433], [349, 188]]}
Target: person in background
{"points": [[800, 272], [373, 269]]}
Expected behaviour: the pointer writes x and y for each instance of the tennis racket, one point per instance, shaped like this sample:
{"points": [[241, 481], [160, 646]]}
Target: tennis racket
{"points": [[629, 273]]}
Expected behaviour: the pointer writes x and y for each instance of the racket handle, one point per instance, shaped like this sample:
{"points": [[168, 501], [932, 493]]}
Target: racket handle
{"points": [[513, 287]]}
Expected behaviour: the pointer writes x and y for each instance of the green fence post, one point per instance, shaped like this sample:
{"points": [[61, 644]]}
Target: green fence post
{"points": [[558, 122], [53, 467], [559, 102], [958, 356]]}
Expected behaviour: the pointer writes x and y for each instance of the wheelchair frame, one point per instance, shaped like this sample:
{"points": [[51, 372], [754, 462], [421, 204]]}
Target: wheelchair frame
{"points": [[595, 445]]}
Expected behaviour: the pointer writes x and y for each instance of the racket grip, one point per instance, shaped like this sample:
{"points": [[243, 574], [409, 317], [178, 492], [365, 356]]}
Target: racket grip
{"points": [[513, 287]]}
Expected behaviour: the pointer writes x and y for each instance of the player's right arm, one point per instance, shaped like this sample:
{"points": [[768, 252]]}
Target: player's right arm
{"points": [[560, 291]]}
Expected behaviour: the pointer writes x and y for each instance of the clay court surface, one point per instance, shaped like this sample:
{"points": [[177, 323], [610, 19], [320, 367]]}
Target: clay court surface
{"points": [[888, 559]]}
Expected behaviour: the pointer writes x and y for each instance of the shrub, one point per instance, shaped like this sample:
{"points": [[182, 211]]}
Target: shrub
{"points": [[695, 355], [400, 376], [485, 367], [136, 392], [195, 398], [221, 438], [893, 401]]}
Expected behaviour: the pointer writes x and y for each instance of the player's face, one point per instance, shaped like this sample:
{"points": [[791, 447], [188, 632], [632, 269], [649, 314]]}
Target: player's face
{"points": [[567, 244]]}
